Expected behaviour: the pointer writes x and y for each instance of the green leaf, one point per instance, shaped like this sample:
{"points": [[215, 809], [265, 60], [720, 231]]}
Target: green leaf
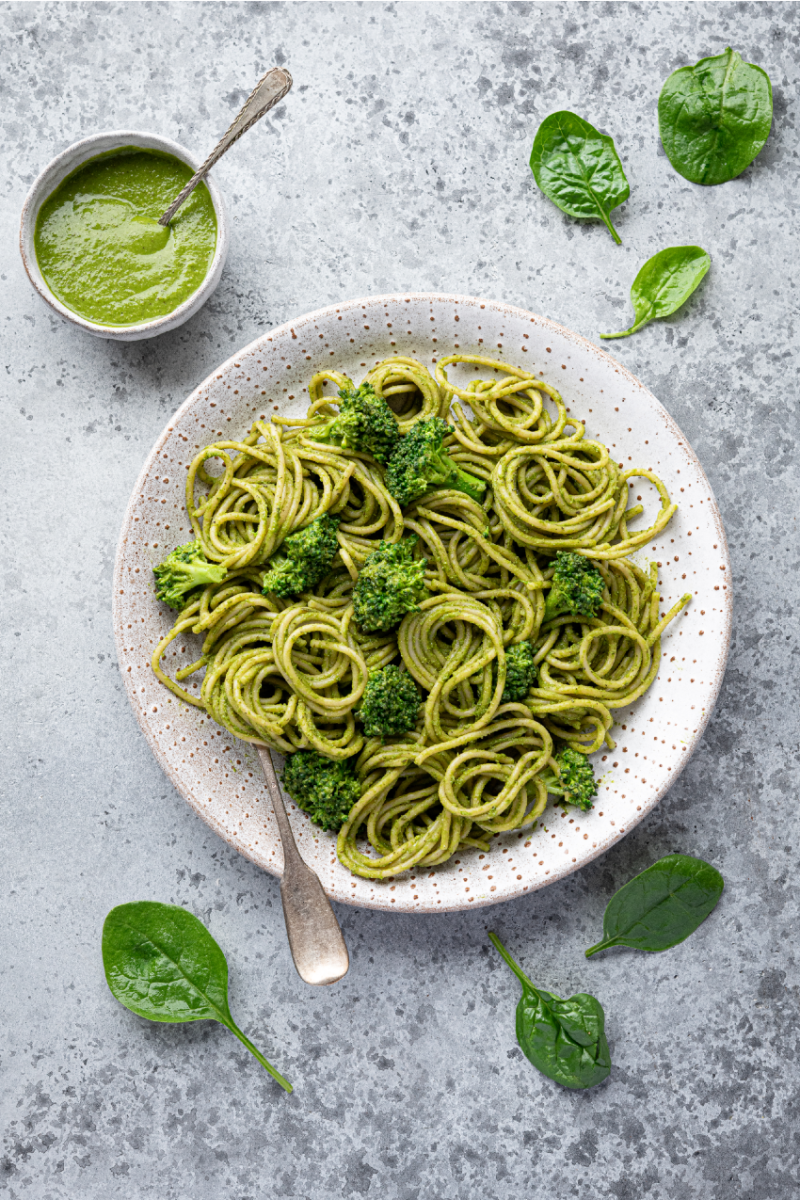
{"points": [[715, 117], [564, 1039], [660, 907], [578, 168], [163, 964], [664, 282]]}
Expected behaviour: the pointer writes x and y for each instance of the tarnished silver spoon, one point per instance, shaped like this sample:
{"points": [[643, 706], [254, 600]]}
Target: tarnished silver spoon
{"points": [[315, 939], [268, 92]]}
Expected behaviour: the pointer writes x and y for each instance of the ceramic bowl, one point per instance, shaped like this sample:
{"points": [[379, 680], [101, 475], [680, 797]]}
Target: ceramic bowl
{"points": [[221, 777], [57, 171]]}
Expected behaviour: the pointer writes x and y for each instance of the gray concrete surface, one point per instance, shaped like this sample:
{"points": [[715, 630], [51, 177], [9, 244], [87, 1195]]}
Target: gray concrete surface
{"points": [[400, 161]]}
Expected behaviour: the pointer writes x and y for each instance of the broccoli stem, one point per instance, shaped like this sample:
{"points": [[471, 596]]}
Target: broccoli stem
{"points": [[451, 476]]}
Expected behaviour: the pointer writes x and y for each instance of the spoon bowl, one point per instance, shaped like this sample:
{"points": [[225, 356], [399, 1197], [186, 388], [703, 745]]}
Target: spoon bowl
{"points": [[144, 235]]}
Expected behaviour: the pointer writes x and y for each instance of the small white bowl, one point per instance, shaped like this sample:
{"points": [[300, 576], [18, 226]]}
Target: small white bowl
{"points": [[58, 170]]}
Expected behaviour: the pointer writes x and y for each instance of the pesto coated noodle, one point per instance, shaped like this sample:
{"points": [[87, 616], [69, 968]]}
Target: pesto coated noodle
{"points": [[291, 673]]}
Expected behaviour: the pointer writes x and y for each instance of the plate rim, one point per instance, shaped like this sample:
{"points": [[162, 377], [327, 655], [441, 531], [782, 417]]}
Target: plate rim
{"points": [[288, 327]]}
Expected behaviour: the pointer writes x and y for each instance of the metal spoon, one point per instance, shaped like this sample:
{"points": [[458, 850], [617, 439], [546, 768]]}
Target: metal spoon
{"points": [[315, 939], [264, 96]]}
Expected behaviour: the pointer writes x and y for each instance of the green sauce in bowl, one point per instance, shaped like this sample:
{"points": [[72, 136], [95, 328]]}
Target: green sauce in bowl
{"points": [[101, 250]]}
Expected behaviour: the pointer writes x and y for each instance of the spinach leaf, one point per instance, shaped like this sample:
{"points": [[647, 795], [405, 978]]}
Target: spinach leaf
{"points": [[564, 1039], [663, 283], [715, 117], [661, 906], [578, 168], [163, 964]]}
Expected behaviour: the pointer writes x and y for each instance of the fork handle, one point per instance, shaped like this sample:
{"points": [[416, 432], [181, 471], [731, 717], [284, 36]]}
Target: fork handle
{"points": [[315, 938]]}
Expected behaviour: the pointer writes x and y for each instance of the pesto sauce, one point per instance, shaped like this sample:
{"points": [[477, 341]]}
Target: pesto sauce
{"points": [[101, 250]]}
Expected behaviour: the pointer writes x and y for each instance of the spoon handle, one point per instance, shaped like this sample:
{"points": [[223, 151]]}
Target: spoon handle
{"points": [[315, 939], [268, 92]]}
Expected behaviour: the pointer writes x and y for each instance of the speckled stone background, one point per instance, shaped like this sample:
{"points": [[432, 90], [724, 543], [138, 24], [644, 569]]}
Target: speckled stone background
{"points": [[399, 161]]}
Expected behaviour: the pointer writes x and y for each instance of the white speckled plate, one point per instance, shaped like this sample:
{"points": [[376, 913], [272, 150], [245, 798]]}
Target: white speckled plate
{"points": [[221, 778]]}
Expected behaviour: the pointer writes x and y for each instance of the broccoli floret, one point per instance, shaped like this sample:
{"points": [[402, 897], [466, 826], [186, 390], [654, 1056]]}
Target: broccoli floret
{"points": [[420, 464], [576, 587], [521, 672], [575, 781], [365, 424], [391, 703], [304, 558], [389, 585], [183, 570], [323, 787]]}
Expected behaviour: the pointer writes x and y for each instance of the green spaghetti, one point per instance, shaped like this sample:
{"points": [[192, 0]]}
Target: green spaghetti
{"points": [[291, 672]]}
